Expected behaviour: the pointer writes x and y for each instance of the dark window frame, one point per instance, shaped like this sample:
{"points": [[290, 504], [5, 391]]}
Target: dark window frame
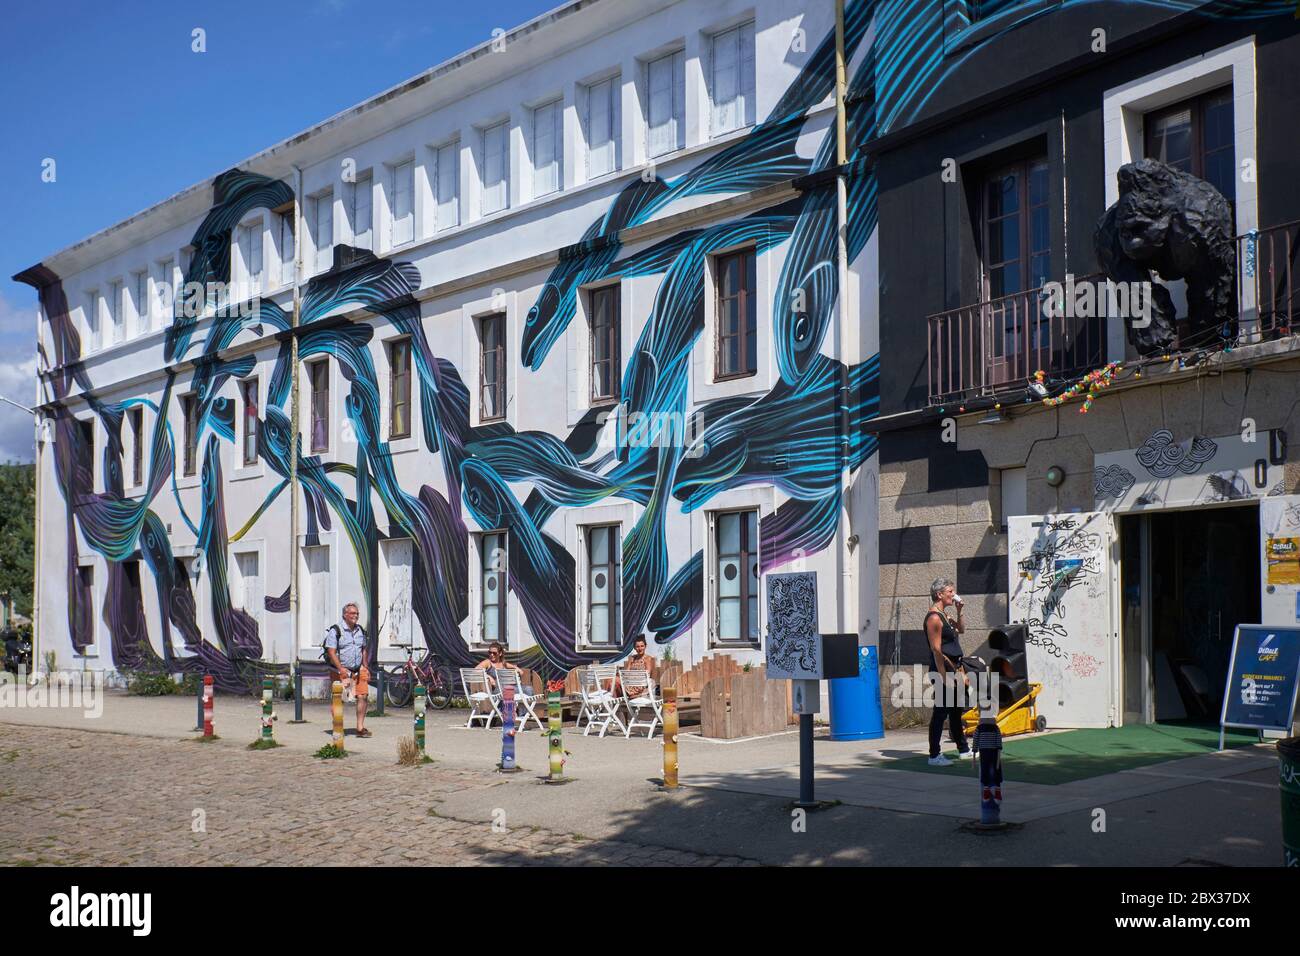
{"points": [[1023, 169], [503, 589], [746, 313], [496, 358], [611, 331], [749, 551], [1197, 106], [399, 386], [86, 456], [244, 387], [190, 433], [135, 418], [318, 411], [613, 609]]}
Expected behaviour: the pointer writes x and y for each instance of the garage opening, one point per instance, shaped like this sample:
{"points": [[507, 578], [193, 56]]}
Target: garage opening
{"points": [[1188, 579]]}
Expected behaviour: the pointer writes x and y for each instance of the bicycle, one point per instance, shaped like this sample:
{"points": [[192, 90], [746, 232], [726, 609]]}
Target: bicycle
{"points": [[438, 680]]}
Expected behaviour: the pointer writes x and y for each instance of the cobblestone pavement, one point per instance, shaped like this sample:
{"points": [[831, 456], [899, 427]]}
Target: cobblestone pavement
{"points": [[68, 797]]}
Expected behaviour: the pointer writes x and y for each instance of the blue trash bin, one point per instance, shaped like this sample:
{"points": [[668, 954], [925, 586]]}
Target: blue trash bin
{"points": [[855, 701]]}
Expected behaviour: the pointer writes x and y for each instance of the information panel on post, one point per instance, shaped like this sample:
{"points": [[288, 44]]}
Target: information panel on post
{"points": [[1262, 679]]}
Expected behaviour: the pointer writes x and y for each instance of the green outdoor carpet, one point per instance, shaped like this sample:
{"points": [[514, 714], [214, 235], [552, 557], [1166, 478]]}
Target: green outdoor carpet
{"points": [[1078, 754]]}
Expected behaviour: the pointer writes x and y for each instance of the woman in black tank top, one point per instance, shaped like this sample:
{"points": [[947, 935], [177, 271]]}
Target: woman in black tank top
{"points": [[942, 635]]}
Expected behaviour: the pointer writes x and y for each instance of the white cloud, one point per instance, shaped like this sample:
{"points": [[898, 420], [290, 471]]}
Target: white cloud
{"points": [[17, 379]]}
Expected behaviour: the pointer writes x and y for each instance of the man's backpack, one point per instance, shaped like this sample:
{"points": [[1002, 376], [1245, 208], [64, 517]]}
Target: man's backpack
{"points": [[338, 636]]}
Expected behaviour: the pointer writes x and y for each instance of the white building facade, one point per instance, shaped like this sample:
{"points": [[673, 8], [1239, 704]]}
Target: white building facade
{"points": [[566, 340]]}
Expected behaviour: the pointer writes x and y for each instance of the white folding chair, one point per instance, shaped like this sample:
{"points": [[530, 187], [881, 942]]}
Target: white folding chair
{"points": [[478, 691], [639, 694], [599, 700], [525, 697]]}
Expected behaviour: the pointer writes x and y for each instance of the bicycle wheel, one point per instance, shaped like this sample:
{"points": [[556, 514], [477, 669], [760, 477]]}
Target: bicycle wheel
{"points": [[442, 690], [397, 687]]}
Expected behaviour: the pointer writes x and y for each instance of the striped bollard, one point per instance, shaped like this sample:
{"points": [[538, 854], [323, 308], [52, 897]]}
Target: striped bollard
{"points": [[670, 738], [268, 691], [208, 694], [420, 695], [508, 730], [554, 723], [336, 708]]}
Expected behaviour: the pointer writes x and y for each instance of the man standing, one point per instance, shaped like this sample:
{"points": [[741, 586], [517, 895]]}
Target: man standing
{"points": [[348, 651]]}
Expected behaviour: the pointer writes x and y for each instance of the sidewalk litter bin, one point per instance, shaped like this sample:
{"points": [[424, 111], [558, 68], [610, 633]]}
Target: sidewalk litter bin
{"points": [[855, 701], [1288, 753]]}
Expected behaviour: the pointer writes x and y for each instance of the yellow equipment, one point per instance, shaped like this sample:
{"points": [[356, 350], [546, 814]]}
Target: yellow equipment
{"points": [[1021, 717]]}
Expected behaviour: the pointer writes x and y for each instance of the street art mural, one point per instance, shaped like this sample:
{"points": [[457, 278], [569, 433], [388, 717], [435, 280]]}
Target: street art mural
{"points": [[799, 437]]}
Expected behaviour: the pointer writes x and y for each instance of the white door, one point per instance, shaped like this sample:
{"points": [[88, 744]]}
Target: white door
{"points": [[1060, 578], [319, 598], [1279, 572]]}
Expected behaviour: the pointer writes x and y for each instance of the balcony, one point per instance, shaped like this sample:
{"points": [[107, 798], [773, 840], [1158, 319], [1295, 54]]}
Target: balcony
{"points": [[994, 347]]}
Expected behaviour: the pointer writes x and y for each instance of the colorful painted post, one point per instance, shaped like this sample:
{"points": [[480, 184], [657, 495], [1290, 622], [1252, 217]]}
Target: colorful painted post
{"points": [[268, 692], [670, 738], [419, 719], [508, 730], [208, 694], [988, 751], [336, 708], [554, 723]]}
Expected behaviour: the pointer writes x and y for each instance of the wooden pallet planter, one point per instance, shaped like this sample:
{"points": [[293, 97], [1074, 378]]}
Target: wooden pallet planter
{"points": [[744, 704]]}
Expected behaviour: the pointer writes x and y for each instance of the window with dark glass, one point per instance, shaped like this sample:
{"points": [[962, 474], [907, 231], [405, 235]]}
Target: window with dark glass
{"points": [[249, 388], [737, 315], [399, 389], [493, 558], [492, 367], [1196, 136], [86, 452], [136, 417], [318, 373], [605, 358], [604, 586], [736, 573], [190, 415], [1017, 249]]}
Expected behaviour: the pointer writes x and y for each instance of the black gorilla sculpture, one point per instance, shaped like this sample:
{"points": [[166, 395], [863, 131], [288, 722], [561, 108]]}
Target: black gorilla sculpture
{"points": [[1180, 227]]}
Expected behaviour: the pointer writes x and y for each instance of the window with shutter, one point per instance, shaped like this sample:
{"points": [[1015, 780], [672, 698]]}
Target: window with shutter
{"points": [[546, 149], [362, 218], [733, 79], [403, 189], [324, 223], [447, 176], [600, 127], [495, 169], [665, 107], [287, 249]]}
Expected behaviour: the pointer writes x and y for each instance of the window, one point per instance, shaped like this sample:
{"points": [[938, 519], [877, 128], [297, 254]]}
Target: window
{"points": [[248, 240], [546, 148], [447, 185], [84, 626], [288, 251], [492, 555], [248, 389], [190, 417], [395, 615], [403, 211], [166, 287], [733, 79], [135, 416], [140, 300], [86, 452], [1015, 495], [736, 577], [92, 320], [492, 367], [600, 127], [665, 104], [248, 584], [116, 316], [1197, 137], [1017, 229], [399, 389], [737, 315], [361, 196], [605, 358], [318, 374], [323, 223], [496, 168], [604, 587]]}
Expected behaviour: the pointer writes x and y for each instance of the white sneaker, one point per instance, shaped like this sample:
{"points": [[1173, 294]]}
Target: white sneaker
{"points": [[966, 755], [939, 761]]}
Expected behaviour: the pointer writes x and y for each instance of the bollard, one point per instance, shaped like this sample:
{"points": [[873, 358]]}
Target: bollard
{"points": [[198, 699], [336, 708], [554, 723], [670, 738], [209, 692], [268, 691], [1288, 753], [508, 730], [987, 744], [379, 692], [297, 694], [419, 719]]}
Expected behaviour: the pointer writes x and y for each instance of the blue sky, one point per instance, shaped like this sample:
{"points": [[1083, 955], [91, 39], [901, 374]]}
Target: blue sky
{"points": [[130, 114]]}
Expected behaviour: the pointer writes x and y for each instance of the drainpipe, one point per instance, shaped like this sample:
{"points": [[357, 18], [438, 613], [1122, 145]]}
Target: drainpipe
{"points": [[846, 614], [293, 414]]}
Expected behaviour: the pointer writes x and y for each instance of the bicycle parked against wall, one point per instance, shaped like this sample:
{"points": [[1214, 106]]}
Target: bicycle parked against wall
{"points": [[437, 677]]}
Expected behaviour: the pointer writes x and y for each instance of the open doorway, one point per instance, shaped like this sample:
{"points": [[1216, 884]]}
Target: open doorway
{"points": [[1188, 578]]}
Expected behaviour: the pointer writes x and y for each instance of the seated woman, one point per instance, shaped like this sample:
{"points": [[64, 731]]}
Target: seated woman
{"points": [[495, 661]]}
